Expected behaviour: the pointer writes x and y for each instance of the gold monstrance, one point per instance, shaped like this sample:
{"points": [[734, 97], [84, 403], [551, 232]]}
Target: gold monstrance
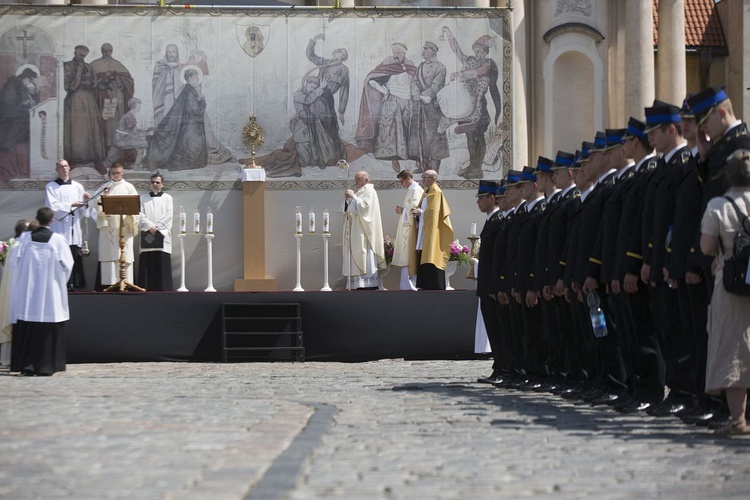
{"points": [[252, 134]]}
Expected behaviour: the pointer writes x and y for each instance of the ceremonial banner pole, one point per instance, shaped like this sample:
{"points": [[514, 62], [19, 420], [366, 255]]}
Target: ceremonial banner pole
{"points": [[210, 287]]}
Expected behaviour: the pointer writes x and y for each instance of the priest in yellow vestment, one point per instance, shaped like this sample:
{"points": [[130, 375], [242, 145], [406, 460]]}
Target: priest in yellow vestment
{"points": [[434, 237]]}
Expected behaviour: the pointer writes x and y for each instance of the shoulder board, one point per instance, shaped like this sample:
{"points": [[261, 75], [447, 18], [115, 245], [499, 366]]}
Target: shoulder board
{"points": [[740, 132], [685, 157]]}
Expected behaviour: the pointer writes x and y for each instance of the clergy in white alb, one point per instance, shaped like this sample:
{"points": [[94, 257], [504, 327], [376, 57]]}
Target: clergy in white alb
{"points": [[403, 245], [42, 264], [363, 251], [6, 277], [67, 199], [155, 262], [109, 232]]}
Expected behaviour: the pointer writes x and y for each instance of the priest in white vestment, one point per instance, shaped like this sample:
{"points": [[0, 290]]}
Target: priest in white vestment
{"points": [[155, 263], [68, 200], [363, 234], [404, 242], [109, 232], [42, 264]]}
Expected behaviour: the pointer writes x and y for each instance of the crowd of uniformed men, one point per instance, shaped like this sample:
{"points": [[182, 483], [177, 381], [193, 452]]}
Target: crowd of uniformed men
{"points": [[619, 220]]}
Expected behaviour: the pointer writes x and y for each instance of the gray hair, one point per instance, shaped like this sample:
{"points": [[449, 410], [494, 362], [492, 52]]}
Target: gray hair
{"points": [[738, 168]]}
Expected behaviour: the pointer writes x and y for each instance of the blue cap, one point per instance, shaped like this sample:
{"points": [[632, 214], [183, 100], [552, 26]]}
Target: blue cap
{"points": [[686, 111], [635, 129], [488, 187], [564, 159], [600, 142], [586, 148], [615, 137], [528, 174], [544, 164], [513, 178], [501, 190], [577, 159], [661, 113], [705, 101]]}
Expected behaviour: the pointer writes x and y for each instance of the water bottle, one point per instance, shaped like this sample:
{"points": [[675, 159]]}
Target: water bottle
{"points": [[598, 323]]}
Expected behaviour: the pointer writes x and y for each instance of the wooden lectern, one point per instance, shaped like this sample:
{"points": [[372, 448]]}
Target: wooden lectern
{"points": [[122, 205]]}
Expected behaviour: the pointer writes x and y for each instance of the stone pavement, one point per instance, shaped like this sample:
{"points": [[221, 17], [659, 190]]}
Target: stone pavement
{"points": [[386, 429]]}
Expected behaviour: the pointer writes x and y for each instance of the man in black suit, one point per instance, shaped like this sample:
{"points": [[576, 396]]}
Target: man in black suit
{"points": [[487, 204]]}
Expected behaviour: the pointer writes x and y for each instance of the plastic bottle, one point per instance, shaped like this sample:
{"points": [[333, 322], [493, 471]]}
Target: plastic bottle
{"points": [[598, 322]]}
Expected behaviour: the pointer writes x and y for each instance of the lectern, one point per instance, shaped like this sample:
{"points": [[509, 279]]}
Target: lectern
{"points": [[122, 205]]}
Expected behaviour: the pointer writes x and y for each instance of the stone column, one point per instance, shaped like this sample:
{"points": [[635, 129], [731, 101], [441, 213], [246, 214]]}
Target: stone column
{"points": [[671, 83], [520, 90], [639, 57]]}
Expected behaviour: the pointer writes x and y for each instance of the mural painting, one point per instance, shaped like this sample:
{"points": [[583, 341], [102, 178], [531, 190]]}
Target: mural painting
{"points": [[172, 91]]}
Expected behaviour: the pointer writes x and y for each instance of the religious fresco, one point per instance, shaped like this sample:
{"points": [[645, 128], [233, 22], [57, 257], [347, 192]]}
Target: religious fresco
{"points": [[172, 90]]}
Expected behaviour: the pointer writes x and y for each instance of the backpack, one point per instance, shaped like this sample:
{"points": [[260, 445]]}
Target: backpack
{"points": [[736, 267]]}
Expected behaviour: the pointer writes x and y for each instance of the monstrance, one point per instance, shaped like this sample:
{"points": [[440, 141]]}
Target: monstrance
{"points": [[252, 134]]}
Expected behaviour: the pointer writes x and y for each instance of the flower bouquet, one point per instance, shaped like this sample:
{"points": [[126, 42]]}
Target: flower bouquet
{"points": [[4, 248], [459, 253], [388, 248]]}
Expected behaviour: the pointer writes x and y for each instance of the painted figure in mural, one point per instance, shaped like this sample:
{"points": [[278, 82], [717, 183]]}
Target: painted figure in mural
{"points": [[480, 74], [427, 145], [168, 84], [127, 135], [115, 87], [385, 110], [337, 74], [83, 136], [254, 41], [314, 145], [17, 96], [179, 142]]}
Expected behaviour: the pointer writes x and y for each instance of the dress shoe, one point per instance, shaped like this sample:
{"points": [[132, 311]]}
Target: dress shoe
{"points": [[607, 398], [489, 380], [593, 394], [666, 410], [634, 407]]}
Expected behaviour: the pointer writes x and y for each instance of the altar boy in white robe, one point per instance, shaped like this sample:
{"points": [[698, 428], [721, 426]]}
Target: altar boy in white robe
{"points": [[405, 235], [155, 262], [42, 264], [109, 233], [363, 250]]}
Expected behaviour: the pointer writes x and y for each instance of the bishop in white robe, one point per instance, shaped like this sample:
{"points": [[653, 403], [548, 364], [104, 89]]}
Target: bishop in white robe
{"points": [[363, 234]]}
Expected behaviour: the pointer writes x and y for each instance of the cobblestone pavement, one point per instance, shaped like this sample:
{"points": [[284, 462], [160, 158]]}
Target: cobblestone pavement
{"points": [[385, 429]]}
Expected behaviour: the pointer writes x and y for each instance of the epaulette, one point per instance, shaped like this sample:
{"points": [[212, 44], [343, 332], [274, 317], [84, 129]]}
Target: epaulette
{"points": [[685, 156], [651, 164], [740, 132]]}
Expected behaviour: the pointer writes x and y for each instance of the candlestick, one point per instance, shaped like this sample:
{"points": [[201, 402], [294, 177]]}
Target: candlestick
{"points": [[473, 229], [298, 287], [196, 221], [182, 288], [326, 222], [209, 222], [298, 221], [311, 221], [183, 221], [210, 257]]}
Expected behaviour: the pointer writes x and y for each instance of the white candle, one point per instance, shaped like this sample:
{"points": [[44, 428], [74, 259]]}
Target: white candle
{"points": [[326, 222], [298, 221], [196, 221], [209, 222], [183, 221], [473, 229], [311, 222]]}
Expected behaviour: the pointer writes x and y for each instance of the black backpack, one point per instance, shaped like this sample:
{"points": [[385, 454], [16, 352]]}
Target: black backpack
{"points": [[735, 268]]}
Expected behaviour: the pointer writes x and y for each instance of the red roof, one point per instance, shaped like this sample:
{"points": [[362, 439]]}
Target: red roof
{"points": [[702, 24]]}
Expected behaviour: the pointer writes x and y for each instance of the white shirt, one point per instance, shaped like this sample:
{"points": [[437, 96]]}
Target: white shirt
{"points": [[60, 198]]}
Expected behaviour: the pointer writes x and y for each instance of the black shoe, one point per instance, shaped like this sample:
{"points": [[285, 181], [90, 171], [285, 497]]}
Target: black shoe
{"points": [[608, 398], [489, 380], [593, 394], [634, 407]]}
